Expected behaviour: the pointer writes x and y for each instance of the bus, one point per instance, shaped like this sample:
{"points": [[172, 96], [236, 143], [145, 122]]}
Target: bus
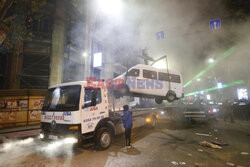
{"points": [[147, 81]]}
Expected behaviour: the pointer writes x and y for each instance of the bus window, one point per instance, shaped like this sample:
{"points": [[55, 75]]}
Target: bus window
{"points": [[134, 73], [149, 74], [173, 78], [163, 76]]}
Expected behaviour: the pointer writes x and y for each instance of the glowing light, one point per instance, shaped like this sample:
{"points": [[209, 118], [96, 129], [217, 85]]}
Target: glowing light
{"points": [[216, 88], [242, 94], [110, 7], [211, 65], [41, 136], [160, 64], [148, 120], [70, 140], [219, 85], [97, 60], [162, 112], [198, 79], [208, 97], [211, 60], [84, 54]]}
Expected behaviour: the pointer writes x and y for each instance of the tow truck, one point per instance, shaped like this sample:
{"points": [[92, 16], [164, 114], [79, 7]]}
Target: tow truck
{"points": [[79, 113]]}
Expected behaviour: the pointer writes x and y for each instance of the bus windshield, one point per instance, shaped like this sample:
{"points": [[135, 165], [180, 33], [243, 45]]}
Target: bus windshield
{"points": [[65, 98]]}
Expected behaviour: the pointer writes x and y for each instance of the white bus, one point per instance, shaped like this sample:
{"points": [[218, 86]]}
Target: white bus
{"points": [[146, 81]]}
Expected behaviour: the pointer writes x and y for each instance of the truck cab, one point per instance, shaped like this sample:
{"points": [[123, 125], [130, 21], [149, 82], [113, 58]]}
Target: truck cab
{"points": [[77, 111]]}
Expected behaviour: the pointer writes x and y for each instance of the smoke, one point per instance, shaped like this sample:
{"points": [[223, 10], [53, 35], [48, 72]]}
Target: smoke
{"points": [[14, 152], [188, 41]]}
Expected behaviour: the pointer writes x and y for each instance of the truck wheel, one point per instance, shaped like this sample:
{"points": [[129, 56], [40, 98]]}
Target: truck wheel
{"points": [[103, 138], [170, 96], [158, 100]]}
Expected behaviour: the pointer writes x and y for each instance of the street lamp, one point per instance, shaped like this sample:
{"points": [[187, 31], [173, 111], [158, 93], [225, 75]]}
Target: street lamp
{"points": [[211, 60], [219, 85], [198, 79], [110, 7], [84, 54]]}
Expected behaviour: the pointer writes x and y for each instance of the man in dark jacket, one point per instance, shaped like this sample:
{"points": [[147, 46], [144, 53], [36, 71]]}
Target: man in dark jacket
{"points": [[128, 124]]}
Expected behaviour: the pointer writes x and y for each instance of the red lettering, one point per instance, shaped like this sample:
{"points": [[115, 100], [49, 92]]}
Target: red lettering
{"points": [[110, 84], [101, 84], [119, 83], [90, 81], [93, 108]]}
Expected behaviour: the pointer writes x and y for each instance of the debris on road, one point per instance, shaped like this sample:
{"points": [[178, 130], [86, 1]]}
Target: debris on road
{"points": [[230, 164], [203, 134], [219, 142], [244, 153], [198, 164], [182, 163], [200, 150], [112, 153], [208, 144], [175, 163], [190, 155], [215, 130]]}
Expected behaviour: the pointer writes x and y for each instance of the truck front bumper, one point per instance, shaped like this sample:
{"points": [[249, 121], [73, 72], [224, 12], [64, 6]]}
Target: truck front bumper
{"points": [[63, 132]]}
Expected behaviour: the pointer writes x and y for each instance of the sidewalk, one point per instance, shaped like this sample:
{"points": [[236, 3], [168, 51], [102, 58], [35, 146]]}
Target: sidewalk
{"points": [[16, 132], [20, 128]]}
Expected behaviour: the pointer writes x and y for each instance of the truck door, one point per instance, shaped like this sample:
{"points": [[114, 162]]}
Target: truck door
{"points": [[92, 110]]}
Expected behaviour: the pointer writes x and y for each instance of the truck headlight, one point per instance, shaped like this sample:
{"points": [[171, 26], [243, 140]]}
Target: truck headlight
{"points": [[41, 135], [148, 120], [70, 140]]}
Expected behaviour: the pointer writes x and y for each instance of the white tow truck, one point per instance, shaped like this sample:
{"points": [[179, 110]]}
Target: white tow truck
{"points": [[81, 113]]}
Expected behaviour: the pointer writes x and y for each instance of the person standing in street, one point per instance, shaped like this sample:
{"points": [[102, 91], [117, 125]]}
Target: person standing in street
{"points": [[128, 124]]}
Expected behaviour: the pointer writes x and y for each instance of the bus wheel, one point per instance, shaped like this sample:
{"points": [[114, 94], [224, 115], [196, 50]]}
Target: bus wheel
{"points": [[158, 100], [103, 138], [170, 96]]}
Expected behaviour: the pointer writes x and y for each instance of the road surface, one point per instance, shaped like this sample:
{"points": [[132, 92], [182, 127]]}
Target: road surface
{"points": [[166, 145]]}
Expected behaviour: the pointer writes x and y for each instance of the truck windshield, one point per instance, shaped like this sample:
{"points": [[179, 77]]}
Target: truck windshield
{"points": [[65, 98]]}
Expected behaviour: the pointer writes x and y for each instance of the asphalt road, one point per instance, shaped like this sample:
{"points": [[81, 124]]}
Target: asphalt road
{"points": [[169, 144]]}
